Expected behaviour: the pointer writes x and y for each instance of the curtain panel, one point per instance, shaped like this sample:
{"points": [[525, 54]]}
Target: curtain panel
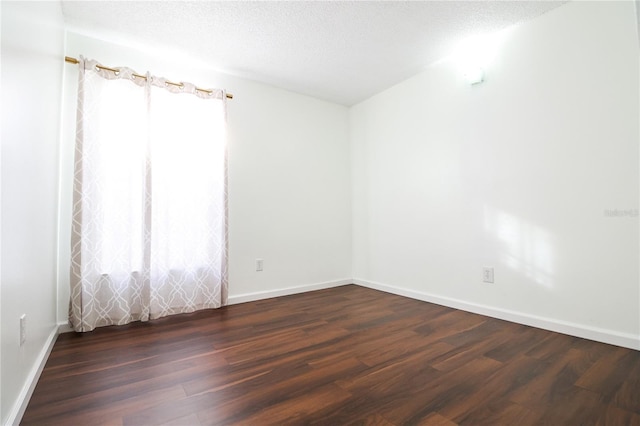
{"points": [[149, 227]]}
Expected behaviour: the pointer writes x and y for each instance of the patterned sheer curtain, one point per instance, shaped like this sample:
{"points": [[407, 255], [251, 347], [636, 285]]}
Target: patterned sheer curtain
{"points": [[149, 231]]}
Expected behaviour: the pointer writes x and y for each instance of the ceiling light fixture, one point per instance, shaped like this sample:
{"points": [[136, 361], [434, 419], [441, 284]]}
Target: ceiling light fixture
{"points": [[475, 54]]}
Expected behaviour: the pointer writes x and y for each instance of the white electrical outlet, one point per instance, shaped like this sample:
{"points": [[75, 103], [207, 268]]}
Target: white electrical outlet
{"points": [[23, 329], [487, 275], [259, 264]]}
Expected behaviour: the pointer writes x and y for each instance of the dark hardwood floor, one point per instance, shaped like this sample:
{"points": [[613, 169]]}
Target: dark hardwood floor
{"points": [[347, 355]]}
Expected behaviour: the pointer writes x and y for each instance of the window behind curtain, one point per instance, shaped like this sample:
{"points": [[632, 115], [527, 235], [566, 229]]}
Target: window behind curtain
{"points": [[150, 224]]}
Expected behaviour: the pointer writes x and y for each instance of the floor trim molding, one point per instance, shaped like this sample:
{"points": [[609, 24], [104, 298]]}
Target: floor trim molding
{"points": [[592, 333], [19, 407], [626, 340], [259, 295]]}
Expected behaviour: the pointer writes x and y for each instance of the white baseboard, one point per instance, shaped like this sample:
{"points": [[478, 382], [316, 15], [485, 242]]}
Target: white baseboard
{"points": [[626, 340], [64, 327], [16, 413], [259, 295]]}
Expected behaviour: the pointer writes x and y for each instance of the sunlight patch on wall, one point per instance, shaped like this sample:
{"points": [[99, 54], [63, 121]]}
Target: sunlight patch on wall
{"points": [[522, 246]]}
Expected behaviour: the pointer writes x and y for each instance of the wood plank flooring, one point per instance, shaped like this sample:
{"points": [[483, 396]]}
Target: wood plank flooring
{"points": [[346, 355]]}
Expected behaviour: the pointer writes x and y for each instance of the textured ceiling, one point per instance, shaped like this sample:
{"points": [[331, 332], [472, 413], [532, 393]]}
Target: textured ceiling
{"points": [[341, 51]]}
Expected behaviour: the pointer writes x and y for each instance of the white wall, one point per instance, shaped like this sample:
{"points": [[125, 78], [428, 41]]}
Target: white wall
{"points": [[516, 173], [32, 48], [289, 191]]}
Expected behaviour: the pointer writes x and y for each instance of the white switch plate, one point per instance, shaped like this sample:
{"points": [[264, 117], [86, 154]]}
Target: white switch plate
{"points": [[487, 275], [259, 264]]}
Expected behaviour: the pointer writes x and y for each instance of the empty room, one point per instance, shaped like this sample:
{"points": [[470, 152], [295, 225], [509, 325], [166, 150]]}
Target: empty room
{"points": [[320, 212]]}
